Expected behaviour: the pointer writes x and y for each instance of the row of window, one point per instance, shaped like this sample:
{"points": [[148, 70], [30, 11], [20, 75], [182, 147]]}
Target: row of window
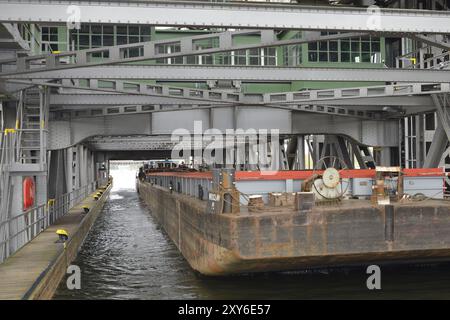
{"points": [[355, 50], [365, 49], [251, 57], [93, 36]]}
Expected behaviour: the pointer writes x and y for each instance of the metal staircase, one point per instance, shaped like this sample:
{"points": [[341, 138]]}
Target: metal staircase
{"points": [[30, 134], [31, 122]]}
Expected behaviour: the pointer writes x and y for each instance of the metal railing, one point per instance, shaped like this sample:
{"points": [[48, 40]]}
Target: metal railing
{"points": [[32, 222], [191, 185]]}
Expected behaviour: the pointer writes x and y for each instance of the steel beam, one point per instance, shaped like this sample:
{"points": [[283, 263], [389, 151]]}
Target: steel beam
{"points": [[243, 73], [237, 15], [437, 148], [430, 41], [118, 92]]}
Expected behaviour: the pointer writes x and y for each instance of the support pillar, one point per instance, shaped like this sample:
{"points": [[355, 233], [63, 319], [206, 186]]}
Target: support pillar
{"points": [[41, 190], [437, 147]]}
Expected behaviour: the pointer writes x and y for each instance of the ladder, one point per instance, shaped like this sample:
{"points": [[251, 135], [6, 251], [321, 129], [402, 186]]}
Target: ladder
{"points": [[31, 122]]}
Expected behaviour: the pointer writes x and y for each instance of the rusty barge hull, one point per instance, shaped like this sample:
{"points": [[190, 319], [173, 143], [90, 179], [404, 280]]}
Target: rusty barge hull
{"points": [[356, 233]]}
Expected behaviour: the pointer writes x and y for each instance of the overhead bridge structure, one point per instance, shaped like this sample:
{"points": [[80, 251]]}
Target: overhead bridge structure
{"points": [[82, 83], [228, 15]]}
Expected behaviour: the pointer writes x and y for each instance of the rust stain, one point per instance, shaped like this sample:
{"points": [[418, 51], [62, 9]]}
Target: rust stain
{"points": [[211, 243]]}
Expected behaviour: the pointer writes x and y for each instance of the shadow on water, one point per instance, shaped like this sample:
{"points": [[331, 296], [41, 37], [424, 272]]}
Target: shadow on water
{"points": [[127, 256]]}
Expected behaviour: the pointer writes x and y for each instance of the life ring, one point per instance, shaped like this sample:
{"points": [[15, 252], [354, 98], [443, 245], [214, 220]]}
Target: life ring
{"points": [[28, 193]]}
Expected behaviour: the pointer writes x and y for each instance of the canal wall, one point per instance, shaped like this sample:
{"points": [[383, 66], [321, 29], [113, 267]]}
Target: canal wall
{"points": [[35, 271], [351, 233]]}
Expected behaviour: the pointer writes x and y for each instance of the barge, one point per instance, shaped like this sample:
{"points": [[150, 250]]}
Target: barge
{"points": [[289, 232]]}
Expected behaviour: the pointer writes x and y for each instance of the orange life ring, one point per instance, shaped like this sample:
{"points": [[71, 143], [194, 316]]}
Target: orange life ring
{"points": [[28, 193]]}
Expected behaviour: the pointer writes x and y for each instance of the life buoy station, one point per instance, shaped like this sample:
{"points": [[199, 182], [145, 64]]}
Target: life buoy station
{"points": [[148, 147]]}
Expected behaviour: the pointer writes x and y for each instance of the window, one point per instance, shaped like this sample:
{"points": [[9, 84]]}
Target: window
{"points": [[429, 121], [254, 57], [269, 56], [240, 57], [49, 39], [169, 48], [203, 44], [355, 50], [97, 35]]}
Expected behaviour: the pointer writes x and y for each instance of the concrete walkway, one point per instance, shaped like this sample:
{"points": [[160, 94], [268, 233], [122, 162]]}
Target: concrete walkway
{"points": [[23, 271]]}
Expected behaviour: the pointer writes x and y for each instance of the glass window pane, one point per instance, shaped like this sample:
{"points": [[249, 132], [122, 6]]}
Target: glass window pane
{"points": [[122, 30], [366, 57], [145, 30], [312, 56], [84, 28], [333, 46], [96, 41], [133, 39], [133, 30], [323, 56], [312, 46], [122, 40], [345, 45], [108, 40], [323, 46], [54, 46], [190, 59], [375, 47], [345, 57], [254, 52], [84, 40], [241, 60], [365, 46], [96, 28], [254, 61], [334, 57], [177, 60], [108, 29]]}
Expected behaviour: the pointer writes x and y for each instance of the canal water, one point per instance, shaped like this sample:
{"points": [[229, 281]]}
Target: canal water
{"points": [[127, 256]]}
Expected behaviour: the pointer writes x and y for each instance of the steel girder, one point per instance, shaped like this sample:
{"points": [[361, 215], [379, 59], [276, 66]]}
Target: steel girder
{"points": [[430, 41], [128, 143], [441, 135], [198, 73], [236, 15], [80, 100], [11, 37], [124, 92], [96, 100], [69, 132], [144, 51]]}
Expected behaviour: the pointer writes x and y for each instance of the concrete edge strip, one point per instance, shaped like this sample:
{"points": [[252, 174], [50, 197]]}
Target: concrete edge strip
{"points": [[28, 294]]}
